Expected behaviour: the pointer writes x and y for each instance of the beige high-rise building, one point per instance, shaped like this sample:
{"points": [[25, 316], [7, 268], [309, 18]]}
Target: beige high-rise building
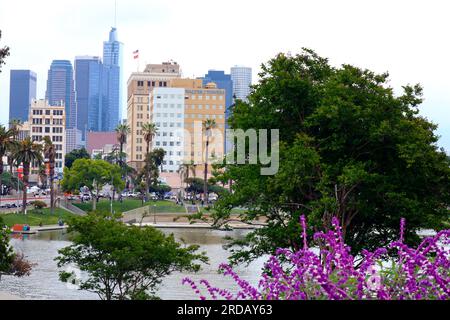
{"points": [[202, 103], [178, 107], [139, 87], [46, 120]]}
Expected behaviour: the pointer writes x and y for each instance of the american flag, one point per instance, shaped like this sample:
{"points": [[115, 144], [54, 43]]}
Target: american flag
{"points": [[136, 54]]}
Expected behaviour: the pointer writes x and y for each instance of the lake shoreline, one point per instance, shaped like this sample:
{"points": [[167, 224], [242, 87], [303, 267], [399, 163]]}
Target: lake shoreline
{"points": [[8, 296]]}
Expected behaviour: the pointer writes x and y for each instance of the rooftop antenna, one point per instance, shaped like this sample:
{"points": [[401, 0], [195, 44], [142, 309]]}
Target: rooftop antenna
{"points": [[115, 13]]}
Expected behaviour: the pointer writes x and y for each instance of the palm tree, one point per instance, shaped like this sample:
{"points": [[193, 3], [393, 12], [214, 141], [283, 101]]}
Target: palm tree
{"points": [[122, 131], [149, 130], [208, 126], [184, 170], [43, 175], [27, 153], [50, 156]]}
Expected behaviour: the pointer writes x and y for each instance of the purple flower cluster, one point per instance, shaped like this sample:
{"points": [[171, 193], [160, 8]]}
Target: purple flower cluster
{"points": [[332, 273]]}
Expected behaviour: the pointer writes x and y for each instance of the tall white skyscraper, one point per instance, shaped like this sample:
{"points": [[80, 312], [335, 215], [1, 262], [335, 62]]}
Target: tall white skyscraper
{"points": [[242, 79]]}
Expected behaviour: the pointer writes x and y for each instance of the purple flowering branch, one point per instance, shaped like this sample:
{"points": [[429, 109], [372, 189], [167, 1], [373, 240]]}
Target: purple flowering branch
{"points": [[421, 273]]}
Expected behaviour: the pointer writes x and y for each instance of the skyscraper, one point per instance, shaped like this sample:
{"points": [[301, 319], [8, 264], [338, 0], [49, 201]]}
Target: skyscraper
{"points": [[60, 89], [88, 83], [223, 81], [22, 91], [242, 79], [112, 82]]}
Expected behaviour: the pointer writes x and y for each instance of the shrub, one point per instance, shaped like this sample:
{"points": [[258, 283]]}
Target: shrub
{"points": [[331, 272], [38, 205]]}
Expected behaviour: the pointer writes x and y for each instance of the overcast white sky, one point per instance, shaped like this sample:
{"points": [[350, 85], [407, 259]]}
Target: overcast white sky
{"points": [[410, 39]]}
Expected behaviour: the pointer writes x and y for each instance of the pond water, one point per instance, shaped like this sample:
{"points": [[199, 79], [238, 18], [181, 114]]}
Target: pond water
{"points": [[43, 283]]}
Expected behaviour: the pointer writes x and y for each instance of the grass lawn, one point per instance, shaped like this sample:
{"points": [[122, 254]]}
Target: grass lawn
{"points": [[130, 204], [33, 218], [163, 206]]}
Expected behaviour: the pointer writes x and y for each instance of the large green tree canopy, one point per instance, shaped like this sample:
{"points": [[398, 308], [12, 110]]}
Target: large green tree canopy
{"points": [[349, 147], [124, 262], [74, 155]]}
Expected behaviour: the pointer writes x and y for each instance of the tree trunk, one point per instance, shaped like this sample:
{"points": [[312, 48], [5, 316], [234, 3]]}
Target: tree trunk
{"points": [[10, 163], [26, 173], [205, 183], [94, 200], [120, 155], [52, 187], [147, 173]]}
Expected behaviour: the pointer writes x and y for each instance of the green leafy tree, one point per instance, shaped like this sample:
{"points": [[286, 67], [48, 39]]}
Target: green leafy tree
{"points": [[93, 174], [10, 181], [348, 148], [6, 251], [124, 262], [153, 160], [74, 155], [11, 263], [27, 153], [7, 143]]}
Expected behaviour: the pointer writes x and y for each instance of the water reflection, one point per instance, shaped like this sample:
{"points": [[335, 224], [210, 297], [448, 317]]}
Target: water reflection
{"points": [[43, 283]]}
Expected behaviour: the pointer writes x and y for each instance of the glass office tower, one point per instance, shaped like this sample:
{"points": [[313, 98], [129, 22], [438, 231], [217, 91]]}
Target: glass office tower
{"points": [[61, 90], [112, 82], [22, 90], [88, 83], [242, 80]]}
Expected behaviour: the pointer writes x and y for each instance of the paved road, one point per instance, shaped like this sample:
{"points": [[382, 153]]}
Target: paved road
{"points": [[15, 200]]}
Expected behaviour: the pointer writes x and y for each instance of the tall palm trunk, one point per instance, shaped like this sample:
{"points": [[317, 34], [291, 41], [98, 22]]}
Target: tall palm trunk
{"points": [[147, 173], [52, 187], [205, 182], [26, 174]]}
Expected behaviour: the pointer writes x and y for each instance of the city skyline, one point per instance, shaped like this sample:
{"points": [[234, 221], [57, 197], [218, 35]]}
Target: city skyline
{"points": [[357, 38]]}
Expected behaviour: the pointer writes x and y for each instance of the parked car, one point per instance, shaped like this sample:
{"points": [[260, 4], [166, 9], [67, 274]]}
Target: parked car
{"points": [[85, 197], [212, 197], [135, 194]]}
